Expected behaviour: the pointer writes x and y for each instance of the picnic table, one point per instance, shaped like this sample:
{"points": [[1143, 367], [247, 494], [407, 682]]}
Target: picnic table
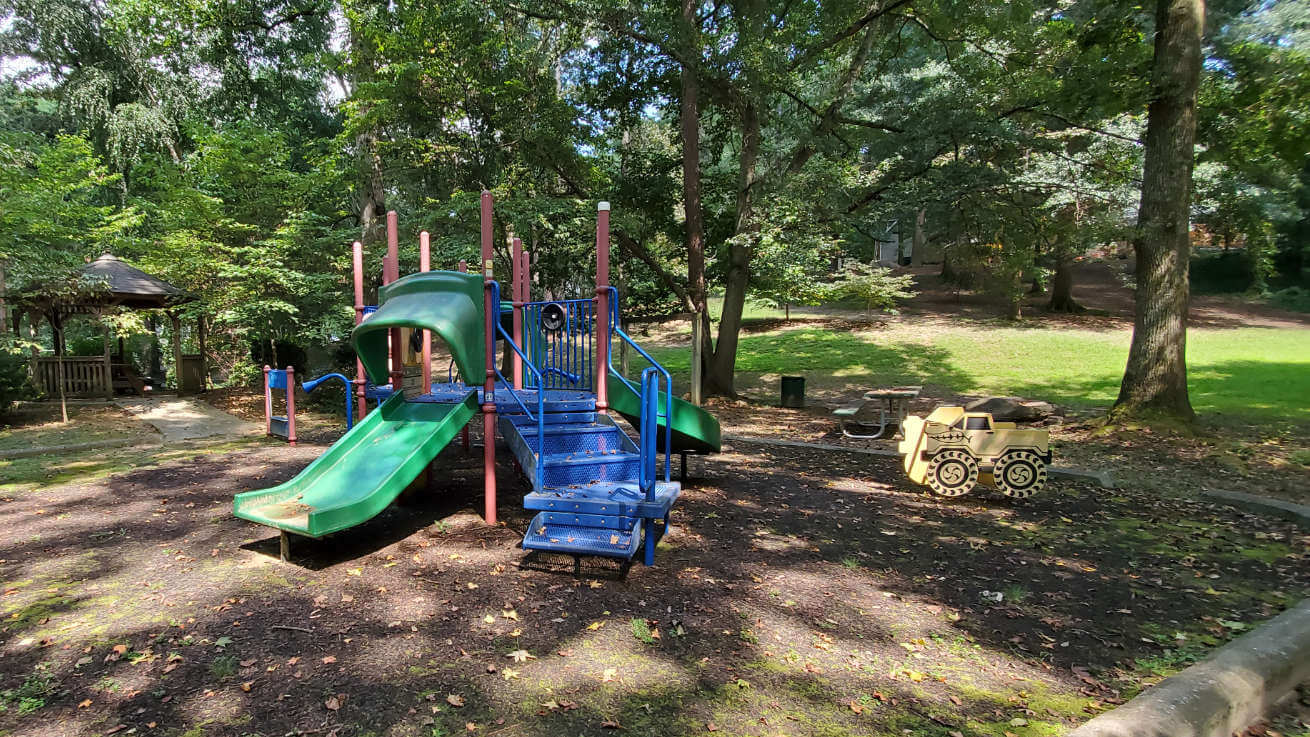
{"points": [[890, 405]]}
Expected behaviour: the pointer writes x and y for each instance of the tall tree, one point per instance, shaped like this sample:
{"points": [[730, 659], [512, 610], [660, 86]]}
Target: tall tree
{"points": [[1155, 380]]}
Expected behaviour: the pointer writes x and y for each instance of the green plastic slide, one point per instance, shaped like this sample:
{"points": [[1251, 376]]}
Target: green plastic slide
{"points": [[362, 472], [694, 429], [368, 467]]}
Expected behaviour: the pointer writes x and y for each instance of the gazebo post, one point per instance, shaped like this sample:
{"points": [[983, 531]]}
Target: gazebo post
{"points": [[204, 367], [177, 348]]}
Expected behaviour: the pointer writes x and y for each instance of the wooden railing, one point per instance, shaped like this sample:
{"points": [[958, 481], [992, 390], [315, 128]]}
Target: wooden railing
{"points": [[84, 376]]}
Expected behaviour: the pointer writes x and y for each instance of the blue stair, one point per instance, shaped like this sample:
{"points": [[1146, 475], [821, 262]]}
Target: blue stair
{"points": [[588, 497]]}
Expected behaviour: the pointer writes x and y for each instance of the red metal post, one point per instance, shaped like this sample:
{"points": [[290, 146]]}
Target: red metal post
{"points": [[424, 264], [390, 273], [291, 405], [516, 253], [357, 256], [602, 306], [491, 313], [268, 403], [468, 444]]}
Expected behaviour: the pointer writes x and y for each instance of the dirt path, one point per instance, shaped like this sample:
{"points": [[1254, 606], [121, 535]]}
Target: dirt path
{"points": [[799, 594]]}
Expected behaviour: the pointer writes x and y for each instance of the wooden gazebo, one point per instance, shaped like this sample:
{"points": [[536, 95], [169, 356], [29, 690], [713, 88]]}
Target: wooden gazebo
{"points": [[119, 284]]}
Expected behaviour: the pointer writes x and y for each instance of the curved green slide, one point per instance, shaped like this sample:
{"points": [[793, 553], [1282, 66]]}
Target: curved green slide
{"points": [[368, 467], [694, 429]]}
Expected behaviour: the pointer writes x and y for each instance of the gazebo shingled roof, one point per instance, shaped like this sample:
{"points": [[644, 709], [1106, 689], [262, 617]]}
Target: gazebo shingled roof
{"points": [[132, 287]]}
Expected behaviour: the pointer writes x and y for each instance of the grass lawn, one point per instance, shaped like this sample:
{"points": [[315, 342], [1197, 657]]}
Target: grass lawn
{"points": [[1248, 373], [86, 424]]}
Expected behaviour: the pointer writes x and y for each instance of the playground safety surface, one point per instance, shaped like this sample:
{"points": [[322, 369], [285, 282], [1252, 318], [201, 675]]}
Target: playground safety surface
{"points": [[800, 593]]}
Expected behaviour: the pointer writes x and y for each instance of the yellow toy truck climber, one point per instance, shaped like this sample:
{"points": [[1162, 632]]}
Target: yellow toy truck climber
{"points": [[952, 448]]}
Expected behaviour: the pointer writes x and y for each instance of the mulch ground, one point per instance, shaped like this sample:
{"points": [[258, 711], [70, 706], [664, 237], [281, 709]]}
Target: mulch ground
{"points": [[801, 593]]}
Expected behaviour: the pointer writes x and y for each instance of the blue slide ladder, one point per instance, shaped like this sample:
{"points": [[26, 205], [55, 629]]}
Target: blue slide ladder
{"points": [[595, 490]]}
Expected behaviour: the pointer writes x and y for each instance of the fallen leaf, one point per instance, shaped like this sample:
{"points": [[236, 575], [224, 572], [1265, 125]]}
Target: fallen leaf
{"points": [[711, 727], [595, 625], [472, 585], [247, 663], [510, 673], [521, 656], [247, 685], [609, 675], [856, 707], [332, 704], [1018, 722], [611, 724], [510, 614], [329, 659], [84, 703], [455, 700]]}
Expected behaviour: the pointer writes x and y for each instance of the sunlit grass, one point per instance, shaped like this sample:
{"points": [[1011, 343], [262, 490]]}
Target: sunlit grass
{"points": [[1251, 373]]}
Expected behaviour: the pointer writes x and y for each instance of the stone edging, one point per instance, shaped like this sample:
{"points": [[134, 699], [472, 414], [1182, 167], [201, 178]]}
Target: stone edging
{"points": [[72, 447], [1222, 694], [1101, 478], [1290, 511]]}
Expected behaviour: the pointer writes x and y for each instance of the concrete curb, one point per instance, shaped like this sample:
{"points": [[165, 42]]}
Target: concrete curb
{"points": [[73, 447], [1101, 478], [1222, 694], [1290, 511]]}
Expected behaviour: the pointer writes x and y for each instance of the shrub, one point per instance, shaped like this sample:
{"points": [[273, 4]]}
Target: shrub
{"points": [[13, 372], [1291, 298]]}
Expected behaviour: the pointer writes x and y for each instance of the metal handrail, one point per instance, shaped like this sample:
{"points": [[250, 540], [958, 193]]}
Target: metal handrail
{"points": [[655, 366], [647, 427], [539, 453]]}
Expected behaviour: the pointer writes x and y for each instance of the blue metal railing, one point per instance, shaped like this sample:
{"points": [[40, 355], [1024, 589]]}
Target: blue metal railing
{"points": [[565, 356], [647, 429], [540, 418], [641, 392]]}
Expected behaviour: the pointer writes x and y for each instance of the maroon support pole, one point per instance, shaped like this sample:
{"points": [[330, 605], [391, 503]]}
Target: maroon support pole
{"points": [[268, 403], [516, 252], [291, 405], [361, 407], [602, 306], [424, 264], [491, 313], [390, 273], [468, 445]]}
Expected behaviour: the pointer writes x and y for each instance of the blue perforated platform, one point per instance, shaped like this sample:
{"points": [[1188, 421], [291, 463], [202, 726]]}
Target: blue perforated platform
{"points": [[557, 400]]}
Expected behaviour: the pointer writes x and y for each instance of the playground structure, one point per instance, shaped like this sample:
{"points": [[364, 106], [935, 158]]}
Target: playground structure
{"points": [[951, 450], [284, 426], [595, 489]]}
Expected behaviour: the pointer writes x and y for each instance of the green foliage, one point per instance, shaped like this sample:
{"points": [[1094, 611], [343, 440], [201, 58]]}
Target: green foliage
{"points": [[1291, 298], [13, 371], [875, 288]]}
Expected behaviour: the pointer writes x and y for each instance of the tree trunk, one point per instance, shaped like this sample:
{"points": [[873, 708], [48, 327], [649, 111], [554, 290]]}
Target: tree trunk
{"points": [[689, 119], [4, 305], [1155, 379], [719, 377], [57, 336], [920, 241], [1062, 288]]}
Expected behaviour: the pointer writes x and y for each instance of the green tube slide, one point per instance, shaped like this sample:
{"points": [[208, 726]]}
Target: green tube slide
{"points": [[368, 467], [694, 429]]}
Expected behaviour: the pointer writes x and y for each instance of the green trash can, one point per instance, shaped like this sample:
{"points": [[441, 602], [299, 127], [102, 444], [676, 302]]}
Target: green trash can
{"points": [[793, 392]]}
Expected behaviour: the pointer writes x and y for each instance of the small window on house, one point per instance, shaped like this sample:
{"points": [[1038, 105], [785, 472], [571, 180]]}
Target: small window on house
{"points": [[977, 423]]}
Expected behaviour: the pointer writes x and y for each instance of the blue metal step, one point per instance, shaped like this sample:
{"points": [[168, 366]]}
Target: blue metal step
{"points": [[557, 400], [567, 469], [605, 498], [579, 540]]}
